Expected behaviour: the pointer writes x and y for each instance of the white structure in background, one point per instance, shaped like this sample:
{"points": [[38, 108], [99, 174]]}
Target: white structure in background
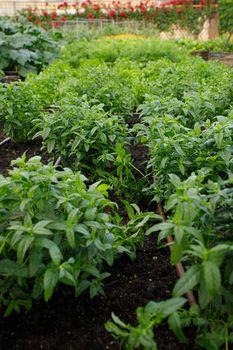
{"points": [[10, 8]]}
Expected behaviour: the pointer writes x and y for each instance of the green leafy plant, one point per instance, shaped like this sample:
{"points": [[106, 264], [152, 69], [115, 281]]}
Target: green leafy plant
{"points": [[216, 45], [126, 180], [117, 87], [56, 230], [19, 107], [225, 11], [109, 51], [25, 47], [82, 135], [153, 314]]}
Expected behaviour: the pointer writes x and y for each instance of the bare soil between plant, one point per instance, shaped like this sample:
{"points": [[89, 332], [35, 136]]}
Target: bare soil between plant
{"points": [[69, 323]]}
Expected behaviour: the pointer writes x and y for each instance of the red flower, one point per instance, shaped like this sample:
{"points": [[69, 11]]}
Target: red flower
{"points": [[45, 13], [56, 24], [53, 15], [90, 16], [111, 13], [178, 10], [123, 14], [63, 19], [29, 18]]}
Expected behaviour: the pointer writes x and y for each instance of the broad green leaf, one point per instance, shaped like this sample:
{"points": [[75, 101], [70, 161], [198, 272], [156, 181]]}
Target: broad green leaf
{"points": [[35, 260], [50, 145], [51, 277], [176, 253], [90, 214], [115, 329], [160, 227], [70, 236], [67, 277], [73, 216], [187, 282], [165, 308], [81, 228], [175, 325], [23, 246], [55, 254], [212, 277], [11, 268], [118, 321], [175, 180], [92, 270]]}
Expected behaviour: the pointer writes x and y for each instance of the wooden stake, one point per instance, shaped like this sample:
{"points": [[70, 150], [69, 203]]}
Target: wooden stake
{"points": [[5, 141], [179, 266]]}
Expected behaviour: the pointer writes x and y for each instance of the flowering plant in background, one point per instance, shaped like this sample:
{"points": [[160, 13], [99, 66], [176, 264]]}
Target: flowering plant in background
{"points": [[188, 14]]}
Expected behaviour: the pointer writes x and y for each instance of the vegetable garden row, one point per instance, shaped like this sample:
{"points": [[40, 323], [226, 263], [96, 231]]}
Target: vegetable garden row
{"points": [[97, 107]]}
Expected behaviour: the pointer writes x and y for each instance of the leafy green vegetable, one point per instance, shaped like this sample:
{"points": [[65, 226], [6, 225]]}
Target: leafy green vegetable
{"points": [[25, 47], [54, 229]]}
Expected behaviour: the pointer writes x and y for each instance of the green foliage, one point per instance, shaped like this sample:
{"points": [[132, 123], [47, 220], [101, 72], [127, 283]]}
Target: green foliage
{"points": [[126, 180], [19, 106], [225, 10], [148, 317], [216, 45], [148, 49], [82, 135], [206, 147], [22, 102], [56, 230], [117, 87], [25, 47], [45, 85]]}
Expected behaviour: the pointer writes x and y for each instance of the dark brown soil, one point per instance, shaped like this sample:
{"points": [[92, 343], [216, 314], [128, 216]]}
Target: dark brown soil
{"points": [[11, 150], [69, 323]]}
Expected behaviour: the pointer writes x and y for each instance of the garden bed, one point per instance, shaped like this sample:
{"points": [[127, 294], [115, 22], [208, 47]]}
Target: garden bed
{"points": [[176, 153], [78, 323], [224, 57], [71, 323]]}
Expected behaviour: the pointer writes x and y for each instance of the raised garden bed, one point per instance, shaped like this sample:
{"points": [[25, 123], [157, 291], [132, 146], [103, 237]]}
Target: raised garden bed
{"points": [[225, 57]]}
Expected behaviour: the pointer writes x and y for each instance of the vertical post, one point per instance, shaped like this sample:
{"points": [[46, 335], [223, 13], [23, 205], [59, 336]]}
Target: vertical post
{"points": [[213, 26], [14, 9]]}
